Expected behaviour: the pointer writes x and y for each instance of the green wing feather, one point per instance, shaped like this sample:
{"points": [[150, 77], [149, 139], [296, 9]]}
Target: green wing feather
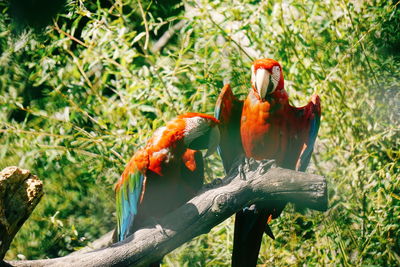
{"points": [[128, 193]]}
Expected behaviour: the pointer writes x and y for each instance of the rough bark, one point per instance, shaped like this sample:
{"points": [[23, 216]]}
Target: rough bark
{"points": [[249, 183], [20, 192], [102, 242]]}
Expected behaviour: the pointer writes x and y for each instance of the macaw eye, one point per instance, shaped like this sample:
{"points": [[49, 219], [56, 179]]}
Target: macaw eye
{"points": [[275, 76]]}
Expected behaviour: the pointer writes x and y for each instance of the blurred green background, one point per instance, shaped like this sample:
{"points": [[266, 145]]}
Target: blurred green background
{"points": [[82, 86]]}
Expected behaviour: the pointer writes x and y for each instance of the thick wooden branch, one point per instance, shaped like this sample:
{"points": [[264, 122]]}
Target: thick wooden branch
{"points": [[102, 242], [20, 192], [249, 183]]}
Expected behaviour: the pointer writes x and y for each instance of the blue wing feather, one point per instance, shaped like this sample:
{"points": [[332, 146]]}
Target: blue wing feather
{"points": [[217, 115], [314, 127], [127, 196]]}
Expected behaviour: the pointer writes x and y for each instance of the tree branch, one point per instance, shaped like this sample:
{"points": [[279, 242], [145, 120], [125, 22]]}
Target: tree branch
{"points": [[102, 242], [20, 192], [164, 39], [250, 182]]}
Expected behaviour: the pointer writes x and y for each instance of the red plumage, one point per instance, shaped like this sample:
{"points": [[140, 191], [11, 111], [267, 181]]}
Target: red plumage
{"points": [[166, 173], [270, 128]]}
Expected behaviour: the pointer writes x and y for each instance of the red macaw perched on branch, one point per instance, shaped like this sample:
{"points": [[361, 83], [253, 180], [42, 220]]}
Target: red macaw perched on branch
{"points": [[270, 128], [166, 173]]}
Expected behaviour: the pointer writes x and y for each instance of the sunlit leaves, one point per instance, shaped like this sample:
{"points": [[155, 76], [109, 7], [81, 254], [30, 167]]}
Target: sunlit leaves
{"points": [[79, 98]]}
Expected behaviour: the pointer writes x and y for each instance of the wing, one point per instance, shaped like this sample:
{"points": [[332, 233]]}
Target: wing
{"points": [[311, 116], [129, 192], [228, 111], [192, 168]]}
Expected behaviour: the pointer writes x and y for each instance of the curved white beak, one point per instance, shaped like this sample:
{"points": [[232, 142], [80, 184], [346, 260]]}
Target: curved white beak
{"points": [[262, 81]]}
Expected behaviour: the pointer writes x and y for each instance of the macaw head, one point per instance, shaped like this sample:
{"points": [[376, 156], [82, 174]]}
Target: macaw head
{"points": [[201, 132], [266, 77]]}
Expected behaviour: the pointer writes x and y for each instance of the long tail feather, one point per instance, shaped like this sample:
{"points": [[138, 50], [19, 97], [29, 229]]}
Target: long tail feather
{"points": [[127, 197], [269, 232], [249, 229]]}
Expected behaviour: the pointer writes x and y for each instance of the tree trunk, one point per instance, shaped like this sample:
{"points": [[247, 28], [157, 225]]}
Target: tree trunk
{"points": [[20, 192]]}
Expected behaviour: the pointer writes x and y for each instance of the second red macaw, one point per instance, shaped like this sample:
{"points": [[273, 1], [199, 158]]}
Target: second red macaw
{"points": [[166, 173], [270, 128]]}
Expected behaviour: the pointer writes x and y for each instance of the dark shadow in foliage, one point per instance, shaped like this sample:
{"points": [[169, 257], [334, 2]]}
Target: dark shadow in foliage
{"points": [[35, 14], [304, 227], [30, 93], [387, 36]]}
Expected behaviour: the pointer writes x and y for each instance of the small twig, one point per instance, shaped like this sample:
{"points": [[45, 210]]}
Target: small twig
{"points": [[345, 55], [164, 39], [55, 27], [227, 36], [80, 109], [75, 60], [224, 33], [166, 88], [77, 150], [145, 25], [292, 46], [117, 155], [356, 30], [13, 130], [162, 81]]}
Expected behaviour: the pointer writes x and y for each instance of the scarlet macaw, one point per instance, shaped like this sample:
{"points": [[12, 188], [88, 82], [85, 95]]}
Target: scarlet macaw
{"points": [[270, 128], [166, 173]]}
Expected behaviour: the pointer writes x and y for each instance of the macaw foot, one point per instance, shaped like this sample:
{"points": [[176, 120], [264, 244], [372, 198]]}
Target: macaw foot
{"points": [[216, 182], [246, 166], [161, 229], [268, 231], [242, 172], [158, 226], [266, 165]]}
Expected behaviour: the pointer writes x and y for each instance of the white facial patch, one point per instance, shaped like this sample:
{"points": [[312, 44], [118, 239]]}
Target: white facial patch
{"points": [[194, 128], [265, 81], [276, 75]]}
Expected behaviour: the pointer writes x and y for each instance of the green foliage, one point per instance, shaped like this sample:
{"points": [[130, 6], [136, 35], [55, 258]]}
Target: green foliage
{"points": [[80, 96]]}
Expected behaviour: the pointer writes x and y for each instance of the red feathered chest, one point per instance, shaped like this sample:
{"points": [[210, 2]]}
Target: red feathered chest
{"points": [[264, 128]]}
